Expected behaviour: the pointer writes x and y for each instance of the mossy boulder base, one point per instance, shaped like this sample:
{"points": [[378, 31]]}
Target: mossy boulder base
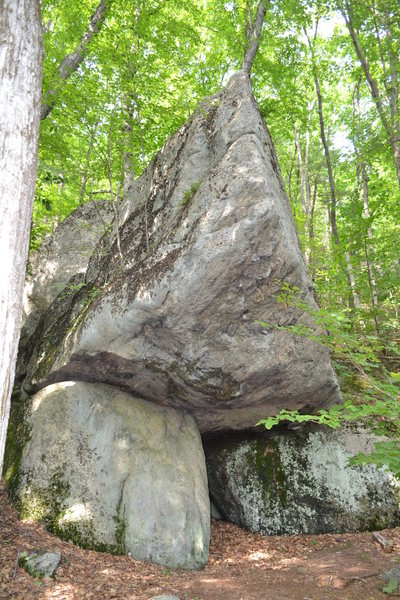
{"points": [[301, 482]]}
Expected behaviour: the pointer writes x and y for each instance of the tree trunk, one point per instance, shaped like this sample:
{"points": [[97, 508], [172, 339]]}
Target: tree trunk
{"points": [[85, 174], [301, 170], [72, 61], [254, 37], [128, 161], [355, 296], [391, 123], [332, 206], [21, 60], [307, 158], [305, 204], [362, 170]]}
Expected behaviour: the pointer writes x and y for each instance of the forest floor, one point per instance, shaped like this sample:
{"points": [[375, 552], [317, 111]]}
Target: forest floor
{"points": [[242, 566]]}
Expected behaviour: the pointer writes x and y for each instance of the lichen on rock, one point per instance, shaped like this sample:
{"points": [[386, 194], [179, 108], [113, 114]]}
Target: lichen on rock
{"points": [[292, 483]]}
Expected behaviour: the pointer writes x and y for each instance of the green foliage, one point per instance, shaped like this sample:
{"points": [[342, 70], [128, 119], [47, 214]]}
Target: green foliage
{"points": [[391, 586], [188, 195], [371, 392]]}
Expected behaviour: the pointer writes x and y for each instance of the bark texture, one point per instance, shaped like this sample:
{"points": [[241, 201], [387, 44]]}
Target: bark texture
{"points": [[20, 87]]}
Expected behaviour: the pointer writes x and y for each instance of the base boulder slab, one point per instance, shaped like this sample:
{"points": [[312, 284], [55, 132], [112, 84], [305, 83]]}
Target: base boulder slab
{"points": [[115, 473], [301, 483]]}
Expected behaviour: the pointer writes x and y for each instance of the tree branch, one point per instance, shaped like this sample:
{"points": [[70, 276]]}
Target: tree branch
{"points": [[72, 61]]}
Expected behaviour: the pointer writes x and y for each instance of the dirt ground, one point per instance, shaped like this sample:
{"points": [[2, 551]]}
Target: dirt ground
{"points": [[242, 566]]}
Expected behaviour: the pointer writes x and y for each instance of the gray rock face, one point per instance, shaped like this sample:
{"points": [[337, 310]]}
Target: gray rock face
{"points": [[206, 237], [62, 256], [301, 483], [392, 577], [115, 473], [41, 564]]}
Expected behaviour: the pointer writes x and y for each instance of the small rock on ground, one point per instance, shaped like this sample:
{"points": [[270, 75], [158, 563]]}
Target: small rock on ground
{"points": [[41, 564], [164, 597], [392, 577]]}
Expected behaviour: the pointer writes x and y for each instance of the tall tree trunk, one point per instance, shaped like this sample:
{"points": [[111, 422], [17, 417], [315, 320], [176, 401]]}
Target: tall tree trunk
{"points": [[347, 267], [307, 159], [369, 250], [355, 296], [21, 60], [369, 244], [333, 201], [128, 161], [301, 170], [289, 177], [254, 37], [326, 228], [391, 122], [72, 61], [85, 174], [305, 204], [311, 265]]}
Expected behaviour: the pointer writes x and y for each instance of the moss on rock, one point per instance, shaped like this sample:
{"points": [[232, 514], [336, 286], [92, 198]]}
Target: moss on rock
{"points": [[290, 483]]}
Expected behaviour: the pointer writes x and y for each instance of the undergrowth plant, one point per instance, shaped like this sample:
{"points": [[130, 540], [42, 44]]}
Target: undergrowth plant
{"points": [[188, 195], [370, 391]]}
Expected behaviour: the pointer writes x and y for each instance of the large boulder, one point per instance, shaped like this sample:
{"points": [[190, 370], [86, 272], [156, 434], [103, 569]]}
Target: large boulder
{"points": [[301, 482], [62, 256], [114, 473], [170, 313]]}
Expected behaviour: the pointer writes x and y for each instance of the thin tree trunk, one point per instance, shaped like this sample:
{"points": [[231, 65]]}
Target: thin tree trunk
{"points": [[304, 203], [129, 109], [333, 202], [72, 61], [254, 37], [369, 246], [114, 200], [21, 60], [289, 185], [312, 209], [326, 225], [369, 249], [146, 223], [392, 125], [356, 298], [86, 170], [311, 230], [301, 170], [128, 161], [307, 158]]}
